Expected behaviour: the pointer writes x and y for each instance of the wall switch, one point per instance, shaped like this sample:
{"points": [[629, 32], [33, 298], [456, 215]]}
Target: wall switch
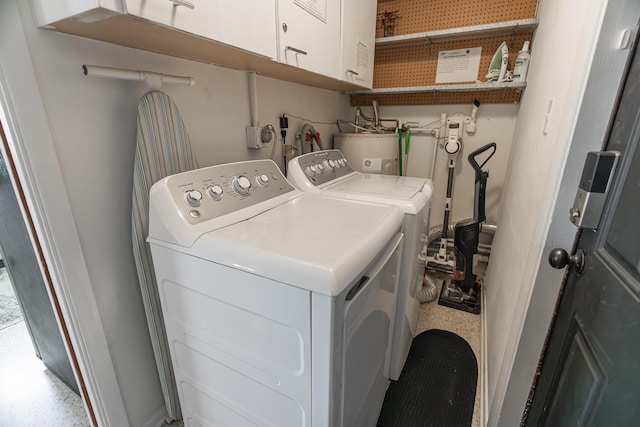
{"points": [[546, 125]]}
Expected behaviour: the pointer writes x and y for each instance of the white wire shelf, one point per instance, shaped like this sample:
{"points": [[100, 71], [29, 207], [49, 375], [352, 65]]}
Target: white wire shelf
{"points": [[461, 87], [507, 28]]}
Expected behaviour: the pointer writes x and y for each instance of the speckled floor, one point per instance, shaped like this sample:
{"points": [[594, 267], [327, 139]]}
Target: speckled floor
{"points": [[30, 395], [467, 325], [9, 309]]}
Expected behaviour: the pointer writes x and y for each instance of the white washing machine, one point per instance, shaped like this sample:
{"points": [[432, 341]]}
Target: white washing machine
{"points": [[329, 174], [279, 305]]}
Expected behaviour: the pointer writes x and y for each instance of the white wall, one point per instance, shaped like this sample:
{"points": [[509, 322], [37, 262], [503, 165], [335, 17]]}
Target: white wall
{"points": [[495, 123], [521, 289], [92, 124], [534, 170]]}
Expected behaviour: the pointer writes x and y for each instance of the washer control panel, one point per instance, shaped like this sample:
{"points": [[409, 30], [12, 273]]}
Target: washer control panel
{"points": [[321, 167], [214, 191]]}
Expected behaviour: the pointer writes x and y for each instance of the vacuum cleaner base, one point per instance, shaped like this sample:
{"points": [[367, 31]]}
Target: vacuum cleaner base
{"points": [[452, 296]]}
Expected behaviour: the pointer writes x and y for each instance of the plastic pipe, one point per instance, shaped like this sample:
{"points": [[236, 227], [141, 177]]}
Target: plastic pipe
{"points": [[135, 75], [400, 152], [253, 98], [443, 126]]}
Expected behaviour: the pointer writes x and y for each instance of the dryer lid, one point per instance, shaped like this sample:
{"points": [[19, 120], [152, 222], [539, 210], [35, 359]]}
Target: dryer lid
{"points": [[311, 242]]}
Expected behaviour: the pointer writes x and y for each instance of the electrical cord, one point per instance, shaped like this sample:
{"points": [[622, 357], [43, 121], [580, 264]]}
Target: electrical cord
{"points": [[307, 120], [428, 124], [284, 125], [357, 127]]}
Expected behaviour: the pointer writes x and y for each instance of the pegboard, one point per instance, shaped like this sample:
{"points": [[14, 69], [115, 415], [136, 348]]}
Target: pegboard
{"points": [[416, 64], [502, 96], [415, 16]]}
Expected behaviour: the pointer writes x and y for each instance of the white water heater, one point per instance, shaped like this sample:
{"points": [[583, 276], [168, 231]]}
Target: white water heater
{"points": [[369, 152]]}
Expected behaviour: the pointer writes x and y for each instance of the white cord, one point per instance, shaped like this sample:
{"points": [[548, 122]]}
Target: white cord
{"points": [[360, 127]]}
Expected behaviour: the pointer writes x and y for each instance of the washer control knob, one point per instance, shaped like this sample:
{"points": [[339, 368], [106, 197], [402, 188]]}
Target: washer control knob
{"points": [[215, 192], [193, 197], [320, 168], [241, 184], [262, 179], [309, 170]]}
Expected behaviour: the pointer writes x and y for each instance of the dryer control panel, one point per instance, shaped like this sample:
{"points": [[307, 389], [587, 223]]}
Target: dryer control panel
{"points": [[212, 192], [321, 167]]}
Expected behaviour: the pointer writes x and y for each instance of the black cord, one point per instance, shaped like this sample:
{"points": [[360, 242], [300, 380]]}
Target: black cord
{"points": [[284, 155], [284, 125]]}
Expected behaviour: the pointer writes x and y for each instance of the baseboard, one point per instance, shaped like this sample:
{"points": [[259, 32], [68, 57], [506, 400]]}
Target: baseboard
{"points": [[158, 419], [484, 389]]}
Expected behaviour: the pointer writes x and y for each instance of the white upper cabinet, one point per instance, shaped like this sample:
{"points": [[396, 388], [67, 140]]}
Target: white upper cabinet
{"points": [[309, 35], [357, 44], [246, 24], [301, 41], [49, 11]]}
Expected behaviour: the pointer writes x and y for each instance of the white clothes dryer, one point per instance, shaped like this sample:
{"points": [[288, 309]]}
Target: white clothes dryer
{"points": [[329, 174], [279, 305]]}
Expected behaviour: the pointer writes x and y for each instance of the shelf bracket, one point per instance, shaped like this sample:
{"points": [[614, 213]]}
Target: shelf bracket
{"points": [[504, 93], [435, 96], [431, 43], [513, 35]]}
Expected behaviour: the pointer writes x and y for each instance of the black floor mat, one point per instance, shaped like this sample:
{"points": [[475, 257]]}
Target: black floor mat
{"points": [[437, 386]]}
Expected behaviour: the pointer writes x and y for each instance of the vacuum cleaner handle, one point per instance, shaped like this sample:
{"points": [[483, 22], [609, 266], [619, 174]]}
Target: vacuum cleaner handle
{"points": [[474, 163], [481, 181]]}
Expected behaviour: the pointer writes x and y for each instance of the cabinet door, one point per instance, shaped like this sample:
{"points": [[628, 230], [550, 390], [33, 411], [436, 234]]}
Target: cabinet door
{"points": [[309, 35], [357, 44], [46, 12], [228, 22]]}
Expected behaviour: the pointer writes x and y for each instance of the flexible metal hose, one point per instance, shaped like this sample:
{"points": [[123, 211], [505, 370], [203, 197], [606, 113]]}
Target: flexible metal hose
{"points": [[427, 290], [315, 136]]}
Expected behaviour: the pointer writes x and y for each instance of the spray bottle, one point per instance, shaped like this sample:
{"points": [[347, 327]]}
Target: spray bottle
{"points": [[522, 64]]}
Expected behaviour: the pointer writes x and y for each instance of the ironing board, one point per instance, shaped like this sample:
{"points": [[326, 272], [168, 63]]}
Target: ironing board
{"points": [[162, 149]]}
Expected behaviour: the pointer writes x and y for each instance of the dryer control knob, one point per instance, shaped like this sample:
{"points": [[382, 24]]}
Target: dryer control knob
{"points": [[262, 179], [309, 170], [193, 197], [241, 184], [328, 165], [320, 168], [215, 192]]}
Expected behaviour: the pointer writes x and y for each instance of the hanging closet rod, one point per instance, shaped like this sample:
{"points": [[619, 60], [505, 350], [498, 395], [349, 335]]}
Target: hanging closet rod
{"points": [[150, 78]]}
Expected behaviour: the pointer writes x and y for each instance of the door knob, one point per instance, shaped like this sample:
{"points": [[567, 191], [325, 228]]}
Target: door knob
{"points": [[559, 258]]}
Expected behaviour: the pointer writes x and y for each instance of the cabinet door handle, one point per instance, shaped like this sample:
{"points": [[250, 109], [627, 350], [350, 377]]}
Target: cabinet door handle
{"points": [[293, 49], [183, 3], [352, 72]]}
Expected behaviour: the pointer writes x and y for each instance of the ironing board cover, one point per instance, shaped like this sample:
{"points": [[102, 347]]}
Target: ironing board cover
{"points": [[162, 149]]}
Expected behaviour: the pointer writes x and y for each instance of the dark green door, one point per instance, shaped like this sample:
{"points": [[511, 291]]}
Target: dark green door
{"points": [[26, 278], [590, 374]]}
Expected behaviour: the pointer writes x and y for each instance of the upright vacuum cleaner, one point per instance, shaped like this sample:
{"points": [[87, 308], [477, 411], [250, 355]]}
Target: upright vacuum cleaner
{"points": [[462, 292]]}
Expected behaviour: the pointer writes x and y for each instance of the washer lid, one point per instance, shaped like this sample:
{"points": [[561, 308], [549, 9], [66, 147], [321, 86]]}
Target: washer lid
{"points": [[409, 193], [315, 243]]}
